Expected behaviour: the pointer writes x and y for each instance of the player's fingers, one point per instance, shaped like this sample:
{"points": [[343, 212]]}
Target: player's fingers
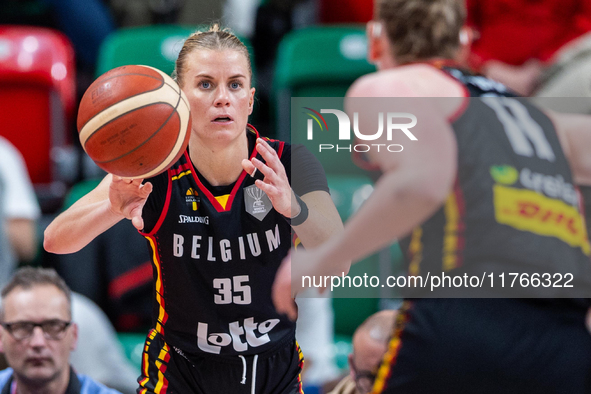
{"points": [[248, 167], [282, 290], [263, 148], [263, 144], [269, 155], [146, 189], [138, 223], [123, 182], [269, 189], [283, 300], [116, 179], [266, 170], [292, 313]]}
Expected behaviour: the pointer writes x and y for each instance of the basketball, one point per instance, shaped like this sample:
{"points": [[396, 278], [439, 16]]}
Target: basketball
{"points": [[134, 121]]}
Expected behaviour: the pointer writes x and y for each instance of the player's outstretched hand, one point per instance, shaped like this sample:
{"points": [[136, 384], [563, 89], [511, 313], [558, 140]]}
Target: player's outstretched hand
{"points": [[283, 298], [128, 197], [275, 183]]}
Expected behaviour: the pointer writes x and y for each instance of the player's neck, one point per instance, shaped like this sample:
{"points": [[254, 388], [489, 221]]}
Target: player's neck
{"points": [[57, 386], [220, 165]]}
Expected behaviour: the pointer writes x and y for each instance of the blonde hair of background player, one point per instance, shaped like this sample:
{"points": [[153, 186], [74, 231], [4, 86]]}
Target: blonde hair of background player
{"points": [[421, 30]]}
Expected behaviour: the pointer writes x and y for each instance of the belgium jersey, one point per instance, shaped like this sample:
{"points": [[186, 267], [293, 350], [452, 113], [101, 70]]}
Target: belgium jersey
{"points": [[514, 207], [215, 252]]}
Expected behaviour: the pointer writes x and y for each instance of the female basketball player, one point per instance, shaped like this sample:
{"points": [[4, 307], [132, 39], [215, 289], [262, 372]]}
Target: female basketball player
{"points": [[448, 198], [218, 223]]}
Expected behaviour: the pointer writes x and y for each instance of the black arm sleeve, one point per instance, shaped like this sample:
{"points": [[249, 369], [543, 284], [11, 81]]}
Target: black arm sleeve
{"points": [[304, 171]]}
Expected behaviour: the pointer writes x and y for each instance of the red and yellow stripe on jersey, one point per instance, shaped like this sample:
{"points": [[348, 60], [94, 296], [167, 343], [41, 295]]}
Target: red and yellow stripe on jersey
{"points": [[158, 368], [394, 345], [162, 315], [301, 365]]}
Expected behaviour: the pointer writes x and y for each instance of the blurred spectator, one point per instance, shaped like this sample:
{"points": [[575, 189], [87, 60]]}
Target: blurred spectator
{"points": [[26, 12], [99, 353], [196, 12], [86, 23], [539, 47], [274, 19], [146, 12], [39, 359], [346, 11], [19, 212], [370, 343], [239, 15]]}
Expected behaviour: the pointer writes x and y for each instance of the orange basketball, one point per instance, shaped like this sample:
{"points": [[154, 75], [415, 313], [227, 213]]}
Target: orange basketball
{"points": [[134, 121]]}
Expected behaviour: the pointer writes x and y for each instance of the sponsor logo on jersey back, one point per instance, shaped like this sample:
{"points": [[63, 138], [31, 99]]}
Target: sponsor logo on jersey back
{"points": [[543, 204]]}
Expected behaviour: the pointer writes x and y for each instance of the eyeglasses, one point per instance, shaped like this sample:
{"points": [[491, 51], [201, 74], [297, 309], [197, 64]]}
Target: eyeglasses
{"points": [[364, 380], [52, 329]]}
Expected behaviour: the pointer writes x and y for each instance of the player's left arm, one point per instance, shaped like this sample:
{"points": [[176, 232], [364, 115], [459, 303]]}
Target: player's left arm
{"points": [[575, 138]]}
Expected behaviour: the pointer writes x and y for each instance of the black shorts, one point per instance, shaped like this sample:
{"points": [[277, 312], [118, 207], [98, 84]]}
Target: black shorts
{"points": [[166, 370], [494, 346]]}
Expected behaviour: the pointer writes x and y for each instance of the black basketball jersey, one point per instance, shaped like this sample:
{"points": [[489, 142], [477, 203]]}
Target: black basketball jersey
{"points": [[514, 204], [215, 257]]}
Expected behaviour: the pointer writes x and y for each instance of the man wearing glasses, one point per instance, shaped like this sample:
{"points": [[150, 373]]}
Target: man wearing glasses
{"points": [[37, 336]]}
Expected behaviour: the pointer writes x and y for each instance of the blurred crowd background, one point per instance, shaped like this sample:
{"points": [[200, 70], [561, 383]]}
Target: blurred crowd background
{"points": [[52, 50]]}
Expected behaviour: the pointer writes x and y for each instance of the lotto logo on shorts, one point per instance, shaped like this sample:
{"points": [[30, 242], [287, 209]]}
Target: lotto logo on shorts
{"points": [[240, 336]]}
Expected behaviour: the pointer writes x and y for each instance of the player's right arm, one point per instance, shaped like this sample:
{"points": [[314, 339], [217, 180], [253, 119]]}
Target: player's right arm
{"points": [[574, 131], [112, 200], [414, 184]]}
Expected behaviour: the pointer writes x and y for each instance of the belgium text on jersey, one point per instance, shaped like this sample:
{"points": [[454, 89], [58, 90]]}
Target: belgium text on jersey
{"points": [[199, 248]]}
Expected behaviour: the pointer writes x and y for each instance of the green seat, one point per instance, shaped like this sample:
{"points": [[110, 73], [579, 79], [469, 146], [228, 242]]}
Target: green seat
{"points": [[319, 61], [79, 190], [342, 347], [322, 59], [133, 346], [348, 193], [157, 46]]}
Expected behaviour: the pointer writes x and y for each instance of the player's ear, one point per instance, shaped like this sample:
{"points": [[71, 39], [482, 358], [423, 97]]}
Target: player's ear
{"points": [[375, 41], [351, 366], [74, 342], [466, 39], [251, 101]]}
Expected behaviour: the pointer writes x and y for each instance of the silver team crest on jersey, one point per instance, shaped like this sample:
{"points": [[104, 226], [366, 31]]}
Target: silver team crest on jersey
{"points": [[256, 202]]}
